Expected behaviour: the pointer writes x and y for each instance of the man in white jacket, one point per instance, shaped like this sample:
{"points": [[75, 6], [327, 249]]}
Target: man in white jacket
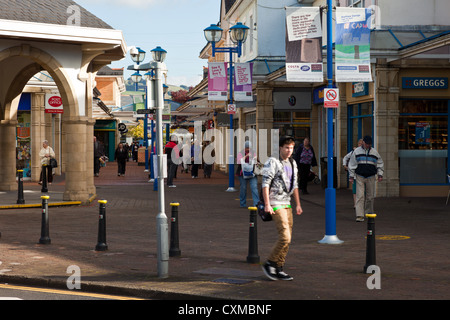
{"points": [[366, 166]]}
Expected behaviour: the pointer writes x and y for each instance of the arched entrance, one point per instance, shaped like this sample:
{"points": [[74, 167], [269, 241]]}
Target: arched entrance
{"points": [[17, 65]]}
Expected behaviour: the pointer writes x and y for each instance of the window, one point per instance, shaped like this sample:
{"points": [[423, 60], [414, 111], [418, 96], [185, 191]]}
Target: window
{"points": [[360, 123], [293, 123], [356, 3], [423, 141]]}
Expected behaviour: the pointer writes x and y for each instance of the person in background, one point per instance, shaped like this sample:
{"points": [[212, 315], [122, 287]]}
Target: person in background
{"points": [[98, 153], [172, 160], [247, 156], [305, 158], [345, 162], [45, 154], [366, 166], [121, 155]]}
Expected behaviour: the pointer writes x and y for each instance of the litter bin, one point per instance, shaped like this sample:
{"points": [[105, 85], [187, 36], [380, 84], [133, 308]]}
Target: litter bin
{"points": [[324, 170]]}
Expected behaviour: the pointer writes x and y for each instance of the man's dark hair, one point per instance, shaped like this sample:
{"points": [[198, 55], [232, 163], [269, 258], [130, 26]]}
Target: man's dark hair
{"points": [[286, 140]]}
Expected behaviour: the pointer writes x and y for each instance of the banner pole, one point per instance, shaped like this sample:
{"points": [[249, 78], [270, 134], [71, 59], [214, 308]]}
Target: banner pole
{"points": [[330, 192]]}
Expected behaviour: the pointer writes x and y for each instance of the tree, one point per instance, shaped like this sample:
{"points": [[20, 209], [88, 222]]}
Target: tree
{"points": [[181, 96], [137, 132]]}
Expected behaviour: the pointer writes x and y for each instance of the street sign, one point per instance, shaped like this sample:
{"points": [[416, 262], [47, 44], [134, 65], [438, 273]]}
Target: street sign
{"points": [[231, 109], [331, 98], [146, 111], [122, 127]]}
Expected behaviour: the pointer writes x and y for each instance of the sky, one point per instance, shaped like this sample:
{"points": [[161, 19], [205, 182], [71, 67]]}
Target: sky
{"points": [[174, 25]]}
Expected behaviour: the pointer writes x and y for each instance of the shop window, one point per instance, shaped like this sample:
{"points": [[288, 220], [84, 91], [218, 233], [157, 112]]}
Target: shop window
{"points": [[423, 141], [360, 123], [292, 123]]}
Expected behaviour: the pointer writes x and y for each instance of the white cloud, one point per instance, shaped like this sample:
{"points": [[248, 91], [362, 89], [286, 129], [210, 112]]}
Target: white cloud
{"points": [[183, 80]]}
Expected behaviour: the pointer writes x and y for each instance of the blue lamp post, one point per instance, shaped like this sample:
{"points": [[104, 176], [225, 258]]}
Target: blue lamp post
{"points": [[138, 55], [330, 193], [238, 34]]}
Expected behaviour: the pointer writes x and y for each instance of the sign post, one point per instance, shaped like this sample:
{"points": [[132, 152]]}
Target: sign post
{"points": [[333, 95]]}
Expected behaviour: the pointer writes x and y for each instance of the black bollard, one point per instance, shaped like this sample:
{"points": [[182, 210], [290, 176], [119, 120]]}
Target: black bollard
{"points": [[174, 250], [44, 178], [370, 247], [20, 199], [253, 256], [101, 240], [45, 237]]}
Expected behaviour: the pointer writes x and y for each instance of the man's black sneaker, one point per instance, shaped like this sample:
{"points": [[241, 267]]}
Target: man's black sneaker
{"points": [[281, 275], [270, 271]]}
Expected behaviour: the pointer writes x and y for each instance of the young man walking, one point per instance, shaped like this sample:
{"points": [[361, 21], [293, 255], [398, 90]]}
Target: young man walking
{"points": [[278, 185], [365, 164]]}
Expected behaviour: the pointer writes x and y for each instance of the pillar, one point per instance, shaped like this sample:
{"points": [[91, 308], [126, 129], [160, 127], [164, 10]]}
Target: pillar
{"points": [[75, 155], [8, 155], [386, 116]]}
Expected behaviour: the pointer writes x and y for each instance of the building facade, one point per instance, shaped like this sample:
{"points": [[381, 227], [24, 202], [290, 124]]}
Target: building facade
{"points": [[405, 108], [71, 45]]}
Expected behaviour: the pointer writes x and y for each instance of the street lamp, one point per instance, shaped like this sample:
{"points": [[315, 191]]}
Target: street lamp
{"points": [[159, 55], [138, 56], [238, 35]]}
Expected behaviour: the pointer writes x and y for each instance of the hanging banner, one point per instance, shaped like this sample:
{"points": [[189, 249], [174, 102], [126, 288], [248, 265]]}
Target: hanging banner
{"points": [[303, 44], [352, 46], [217, 81], [243, 75]]}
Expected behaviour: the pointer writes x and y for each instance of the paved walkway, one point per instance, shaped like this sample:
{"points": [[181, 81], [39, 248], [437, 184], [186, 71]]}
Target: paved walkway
{"points": [[413, 241]]}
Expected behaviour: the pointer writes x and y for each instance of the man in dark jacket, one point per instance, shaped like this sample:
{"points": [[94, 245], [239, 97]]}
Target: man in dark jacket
{"points": [[173, 159], [98, 153], [305, 158]]}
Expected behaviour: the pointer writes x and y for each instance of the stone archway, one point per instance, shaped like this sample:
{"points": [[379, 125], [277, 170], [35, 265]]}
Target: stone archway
{"points": [[30, 60]]}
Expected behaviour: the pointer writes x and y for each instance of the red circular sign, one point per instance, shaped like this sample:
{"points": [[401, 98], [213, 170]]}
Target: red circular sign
{"points": [[55, 101]]}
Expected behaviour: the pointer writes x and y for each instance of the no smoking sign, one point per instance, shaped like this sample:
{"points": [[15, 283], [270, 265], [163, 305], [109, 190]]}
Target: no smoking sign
{"points": [[331, 98]]}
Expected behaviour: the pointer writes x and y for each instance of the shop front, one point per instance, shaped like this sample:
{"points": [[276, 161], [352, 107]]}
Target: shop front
{"points": [[424, 111], [292, 112]]}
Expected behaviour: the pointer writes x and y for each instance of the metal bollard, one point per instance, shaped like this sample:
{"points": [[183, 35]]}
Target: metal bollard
{"points": [[370, 247], [101, 239], [45, 237], [44, 178], [253, 256], [174, 250], [20, 199]]}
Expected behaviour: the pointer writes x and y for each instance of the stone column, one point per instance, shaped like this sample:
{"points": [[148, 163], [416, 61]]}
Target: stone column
{"points": [[386, 116], [75, 155], [342, 133], [264, 114], [8, 155], [90, 183], [37, 132]]}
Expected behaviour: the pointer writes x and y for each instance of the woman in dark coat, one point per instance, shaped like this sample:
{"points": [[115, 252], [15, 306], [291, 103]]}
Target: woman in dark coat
{"points": [[305, 158], [121, 156]]}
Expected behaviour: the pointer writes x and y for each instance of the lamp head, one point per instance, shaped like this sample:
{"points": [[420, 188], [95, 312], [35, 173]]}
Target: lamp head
{"points": [[213, 33], [159, 54], [137, 54], [136, 77], [239, 33]]}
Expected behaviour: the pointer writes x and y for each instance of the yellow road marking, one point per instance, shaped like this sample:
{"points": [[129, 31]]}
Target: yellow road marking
{"points": [[67, 292]]}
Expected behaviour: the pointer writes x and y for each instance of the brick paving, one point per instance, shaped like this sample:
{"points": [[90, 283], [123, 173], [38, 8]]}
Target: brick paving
{"points": [[412, 244]]}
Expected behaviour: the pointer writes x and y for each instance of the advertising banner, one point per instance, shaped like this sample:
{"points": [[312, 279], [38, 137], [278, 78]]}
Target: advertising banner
{"points": [[243, 74], [304, 44], [217, 81], [352, 46]]}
